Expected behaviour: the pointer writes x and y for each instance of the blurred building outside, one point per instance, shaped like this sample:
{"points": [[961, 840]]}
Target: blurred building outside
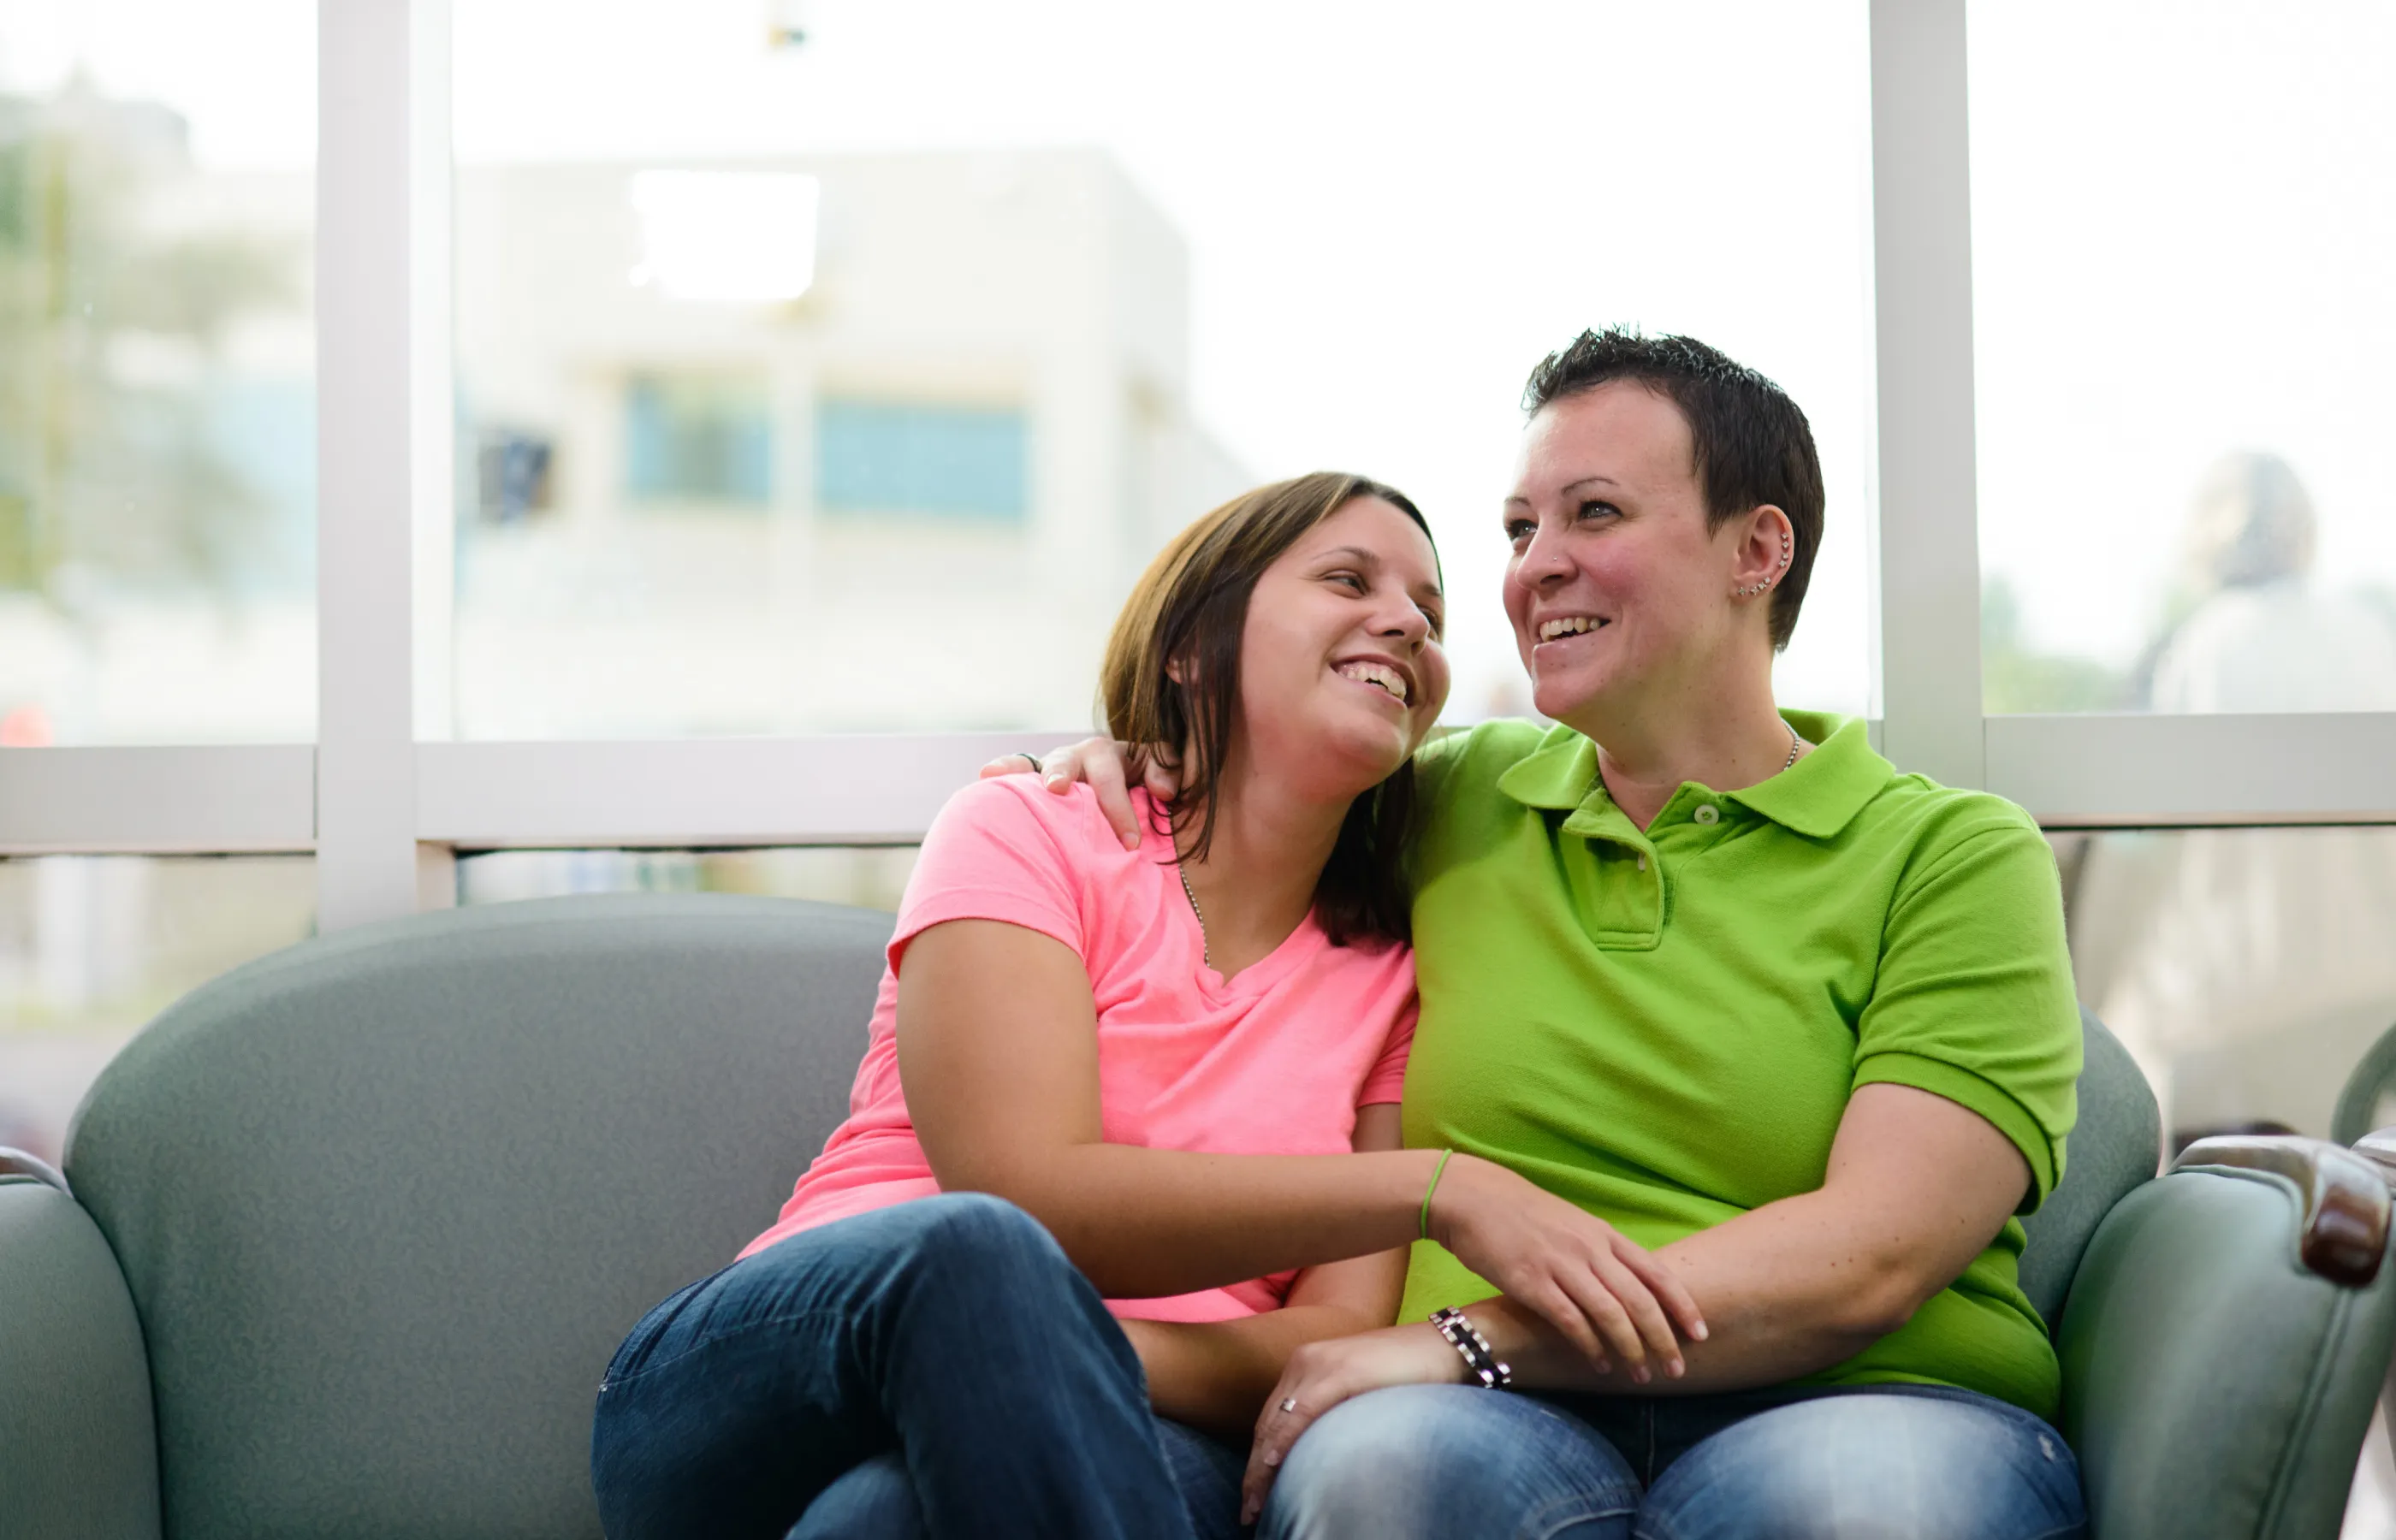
{"points": [[906, 492], [869, 443]]}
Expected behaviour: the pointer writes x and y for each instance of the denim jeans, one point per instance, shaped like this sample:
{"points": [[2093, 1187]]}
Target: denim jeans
{"points": [[947, 1338], [878, 1498], [1430, 1462]]}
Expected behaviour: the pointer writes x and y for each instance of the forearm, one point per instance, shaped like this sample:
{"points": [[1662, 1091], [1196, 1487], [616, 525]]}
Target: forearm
{"points": [[1216, 1374], [1145, 1223], [1787, 1290]]}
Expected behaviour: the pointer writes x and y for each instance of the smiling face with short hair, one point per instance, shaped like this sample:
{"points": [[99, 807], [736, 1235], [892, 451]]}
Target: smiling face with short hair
{"points": [[1619, 594]]}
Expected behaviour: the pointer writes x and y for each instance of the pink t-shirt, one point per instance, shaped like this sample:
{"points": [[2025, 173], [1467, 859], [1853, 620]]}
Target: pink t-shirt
{"points": [[1273, 1062]]}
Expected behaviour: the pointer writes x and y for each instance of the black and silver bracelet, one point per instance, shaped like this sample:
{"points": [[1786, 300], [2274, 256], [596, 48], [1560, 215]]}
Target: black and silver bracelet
{"points": [[1486, 1367]]}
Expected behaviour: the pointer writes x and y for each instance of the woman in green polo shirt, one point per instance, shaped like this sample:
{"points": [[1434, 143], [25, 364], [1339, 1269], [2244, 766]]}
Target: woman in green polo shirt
{"points": [[1799, 1022]]}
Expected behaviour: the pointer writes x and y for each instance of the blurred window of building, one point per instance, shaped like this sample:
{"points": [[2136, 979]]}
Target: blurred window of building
{"points": [[697, 439], [886, 457], [1019, 306], [93, 947], [2247, 969], [157, 397], [2180, 217], [862, 876]]}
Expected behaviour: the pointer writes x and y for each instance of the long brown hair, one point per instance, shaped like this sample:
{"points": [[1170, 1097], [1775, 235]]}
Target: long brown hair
{"points": [[1191, 609]]}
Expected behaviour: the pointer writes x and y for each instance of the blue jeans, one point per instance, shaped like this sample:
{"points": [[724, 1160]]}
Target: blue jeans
{"points": [[1919, 1463], [878, 1498], [947, 1340]]}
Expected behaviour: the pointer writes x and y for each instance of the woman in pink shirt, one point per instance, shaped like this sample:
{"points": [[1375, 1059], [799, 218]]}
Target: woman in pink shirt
{"points": [[1125, 1135]]}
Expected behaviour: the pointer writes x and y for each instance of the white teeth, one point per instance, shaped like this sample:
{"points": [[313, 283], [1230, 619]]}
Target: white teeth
{"points": [[1375, 673], [1568, 625]]}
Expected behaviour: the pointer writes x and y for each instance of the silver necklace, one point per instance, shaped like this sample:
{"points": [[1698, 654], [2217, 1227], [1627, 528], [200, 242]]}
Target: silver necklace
{"points": [[1795, 743], [1206, 949]]}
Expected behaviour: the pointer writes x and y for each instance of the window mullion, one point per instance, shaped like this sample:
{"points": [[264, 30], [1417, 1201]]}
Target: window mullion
{"points": [[1929, 564]]}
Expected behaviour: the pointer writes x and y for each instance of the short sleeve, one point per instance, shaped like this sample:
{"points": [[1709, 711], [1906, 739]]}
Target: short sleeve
{"points": [[992, 854], [1974, 999], [1388, 1080]]}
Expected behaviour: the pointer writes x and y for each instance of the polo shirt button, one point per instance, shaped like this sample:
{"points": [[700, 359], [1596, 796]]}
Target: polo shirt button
{"points": [[1707, 813]]}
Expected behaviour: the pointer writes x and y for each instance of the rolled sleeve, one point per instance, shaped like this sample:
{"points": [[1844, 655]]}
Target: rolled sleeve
{"points": [[1974, 999]]}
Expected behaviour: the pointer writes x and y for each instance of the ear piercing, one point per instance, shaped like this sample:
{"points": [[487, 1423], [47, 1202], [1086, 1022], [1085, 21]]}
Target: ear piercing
{"points": [[1758, 587]]}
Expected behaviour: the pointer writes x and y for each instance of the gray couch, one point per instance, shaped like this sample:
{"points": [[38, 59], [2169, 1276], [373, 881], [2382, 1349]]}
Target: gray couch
{"points": [[353, 1229]]}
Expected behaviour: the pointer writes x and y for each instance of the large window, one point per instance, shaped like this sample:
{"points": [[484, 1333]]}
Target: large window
{"points": [[1010, 310], [157, 405], [2180, 221], [887, 457]]}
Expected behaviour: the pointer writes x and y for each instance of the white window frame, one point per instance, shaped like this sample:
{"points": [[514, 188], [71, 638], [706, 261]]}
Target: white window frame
{"points": [[384, 802]]}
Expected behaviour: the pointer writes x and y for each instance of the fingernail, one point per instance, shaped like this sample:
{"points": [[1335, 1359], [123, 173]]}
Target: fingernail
{"points": [[1055, 782], [1131, 842], [1273, 1458], [1639, 1375], [1699, 1332], [1676, 1368]]}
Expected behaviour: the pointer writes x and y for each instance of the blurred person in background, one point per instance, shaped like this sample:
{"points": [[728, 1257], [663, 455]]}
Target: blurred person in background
{"points": [[2247, 969], [2263, 636]]}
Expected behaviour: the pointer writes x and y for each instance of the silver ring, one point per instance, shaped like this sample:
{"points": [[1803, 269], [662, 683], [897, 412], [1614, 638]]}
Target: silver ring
{"points": [[1289, 1403], [1034, 760]]}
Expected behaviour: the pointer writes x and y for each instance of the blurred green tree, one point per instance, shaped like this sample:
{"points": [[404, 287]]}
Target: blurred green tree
{"points": [[110, 333], [2017, 677]]}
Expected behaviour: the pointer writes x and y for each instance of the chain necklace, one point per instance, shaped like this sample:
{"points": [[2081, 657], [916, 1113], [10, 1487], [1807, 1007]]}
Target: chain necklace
{"points": [[1795, 743], [1206, 949]]}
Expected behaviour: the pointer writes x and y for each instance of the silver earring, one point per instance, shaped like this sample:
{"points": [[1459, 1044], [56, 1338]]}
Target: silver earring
{"points": [[1753, 588]]}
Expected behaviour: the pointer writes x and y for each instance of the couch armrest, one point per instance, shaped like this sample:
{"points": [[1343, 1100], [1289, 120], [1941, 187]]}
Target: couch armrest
{"points": [[78, 1441], [2223, 1341], [2343, 1232]]}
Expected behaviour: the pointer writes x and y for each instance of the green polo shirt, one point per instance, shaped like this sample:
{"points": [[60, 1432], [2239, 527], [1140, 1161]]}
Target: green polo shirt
{"points": [[1665, 1025]]}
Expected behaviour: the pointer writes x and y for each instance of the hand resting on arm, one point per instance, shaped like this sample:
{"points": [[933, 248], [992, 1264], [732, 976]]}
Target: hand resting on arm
{"points": [[1917, 1187], [998, 1053]]}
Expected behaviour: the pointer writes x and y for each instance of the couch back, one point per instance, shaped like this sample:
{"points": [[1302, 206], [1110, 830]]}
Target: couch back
{"points": [[2116, 1145], [387, 1200]]}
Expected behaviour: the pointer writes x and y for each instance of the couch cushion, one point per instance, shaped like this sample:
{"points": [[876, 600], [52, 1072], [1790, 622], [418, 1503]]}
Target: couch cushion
{"points": [[386, 1201], [2116, 1145]]}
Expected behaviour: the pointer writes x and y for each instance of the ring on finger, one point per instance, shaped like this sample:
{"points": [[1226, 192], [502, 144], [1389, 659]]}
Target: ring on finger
{"points": [[1033, 761], [1289, 1403]]}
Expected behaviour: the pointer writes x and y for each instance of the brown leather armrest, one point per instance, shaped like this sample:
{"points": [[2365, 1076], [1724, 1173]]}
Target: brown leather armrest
{"points": [[2346, 1196], [16, 1163]]}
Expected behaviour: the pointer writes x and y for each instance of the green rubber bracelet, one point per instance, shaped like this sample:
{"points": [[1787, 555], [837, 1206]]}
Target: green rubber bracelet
{"points": [[1436, 1172]]}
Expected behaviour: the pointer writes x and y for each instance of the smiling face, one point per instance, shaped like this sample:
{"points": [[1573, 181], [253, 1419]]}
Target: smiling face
{"points": [[1617, 592], [1341, 671]]}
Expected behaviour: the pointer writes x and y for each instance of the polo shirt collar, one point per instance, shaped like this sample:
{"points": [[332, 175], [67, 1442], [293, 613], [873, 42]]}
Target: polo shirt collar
{"points": [[1816, 797]]}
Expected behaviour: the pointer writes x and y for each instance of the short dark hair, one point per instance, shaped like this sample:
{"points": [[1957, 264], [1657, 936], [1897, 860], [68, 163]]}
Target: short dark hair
{"points": [[1191, 607], [1753, 445]]}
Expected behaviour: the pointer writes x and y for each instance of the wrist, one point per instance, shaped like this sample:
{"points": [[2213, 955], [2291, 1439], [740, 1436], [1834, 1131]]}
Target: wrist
{"points": [[1445, 1197]]}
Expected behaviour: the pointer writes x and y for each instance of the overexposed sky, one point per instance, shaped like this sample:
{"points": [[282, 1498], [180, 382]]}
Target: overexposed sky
{"points": [[2181, 214]]}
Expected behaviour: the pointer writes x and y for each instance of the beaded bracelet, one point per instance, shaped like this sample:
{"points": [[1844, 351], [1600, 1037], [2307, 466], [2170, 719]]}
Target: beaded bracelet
{"points": [[1478, 1357]]}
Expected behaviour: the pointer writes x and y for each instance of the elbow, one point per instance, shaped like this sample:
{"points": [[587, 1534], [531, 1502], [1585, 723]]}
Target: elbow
{"points": [[1879, 1302]]}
